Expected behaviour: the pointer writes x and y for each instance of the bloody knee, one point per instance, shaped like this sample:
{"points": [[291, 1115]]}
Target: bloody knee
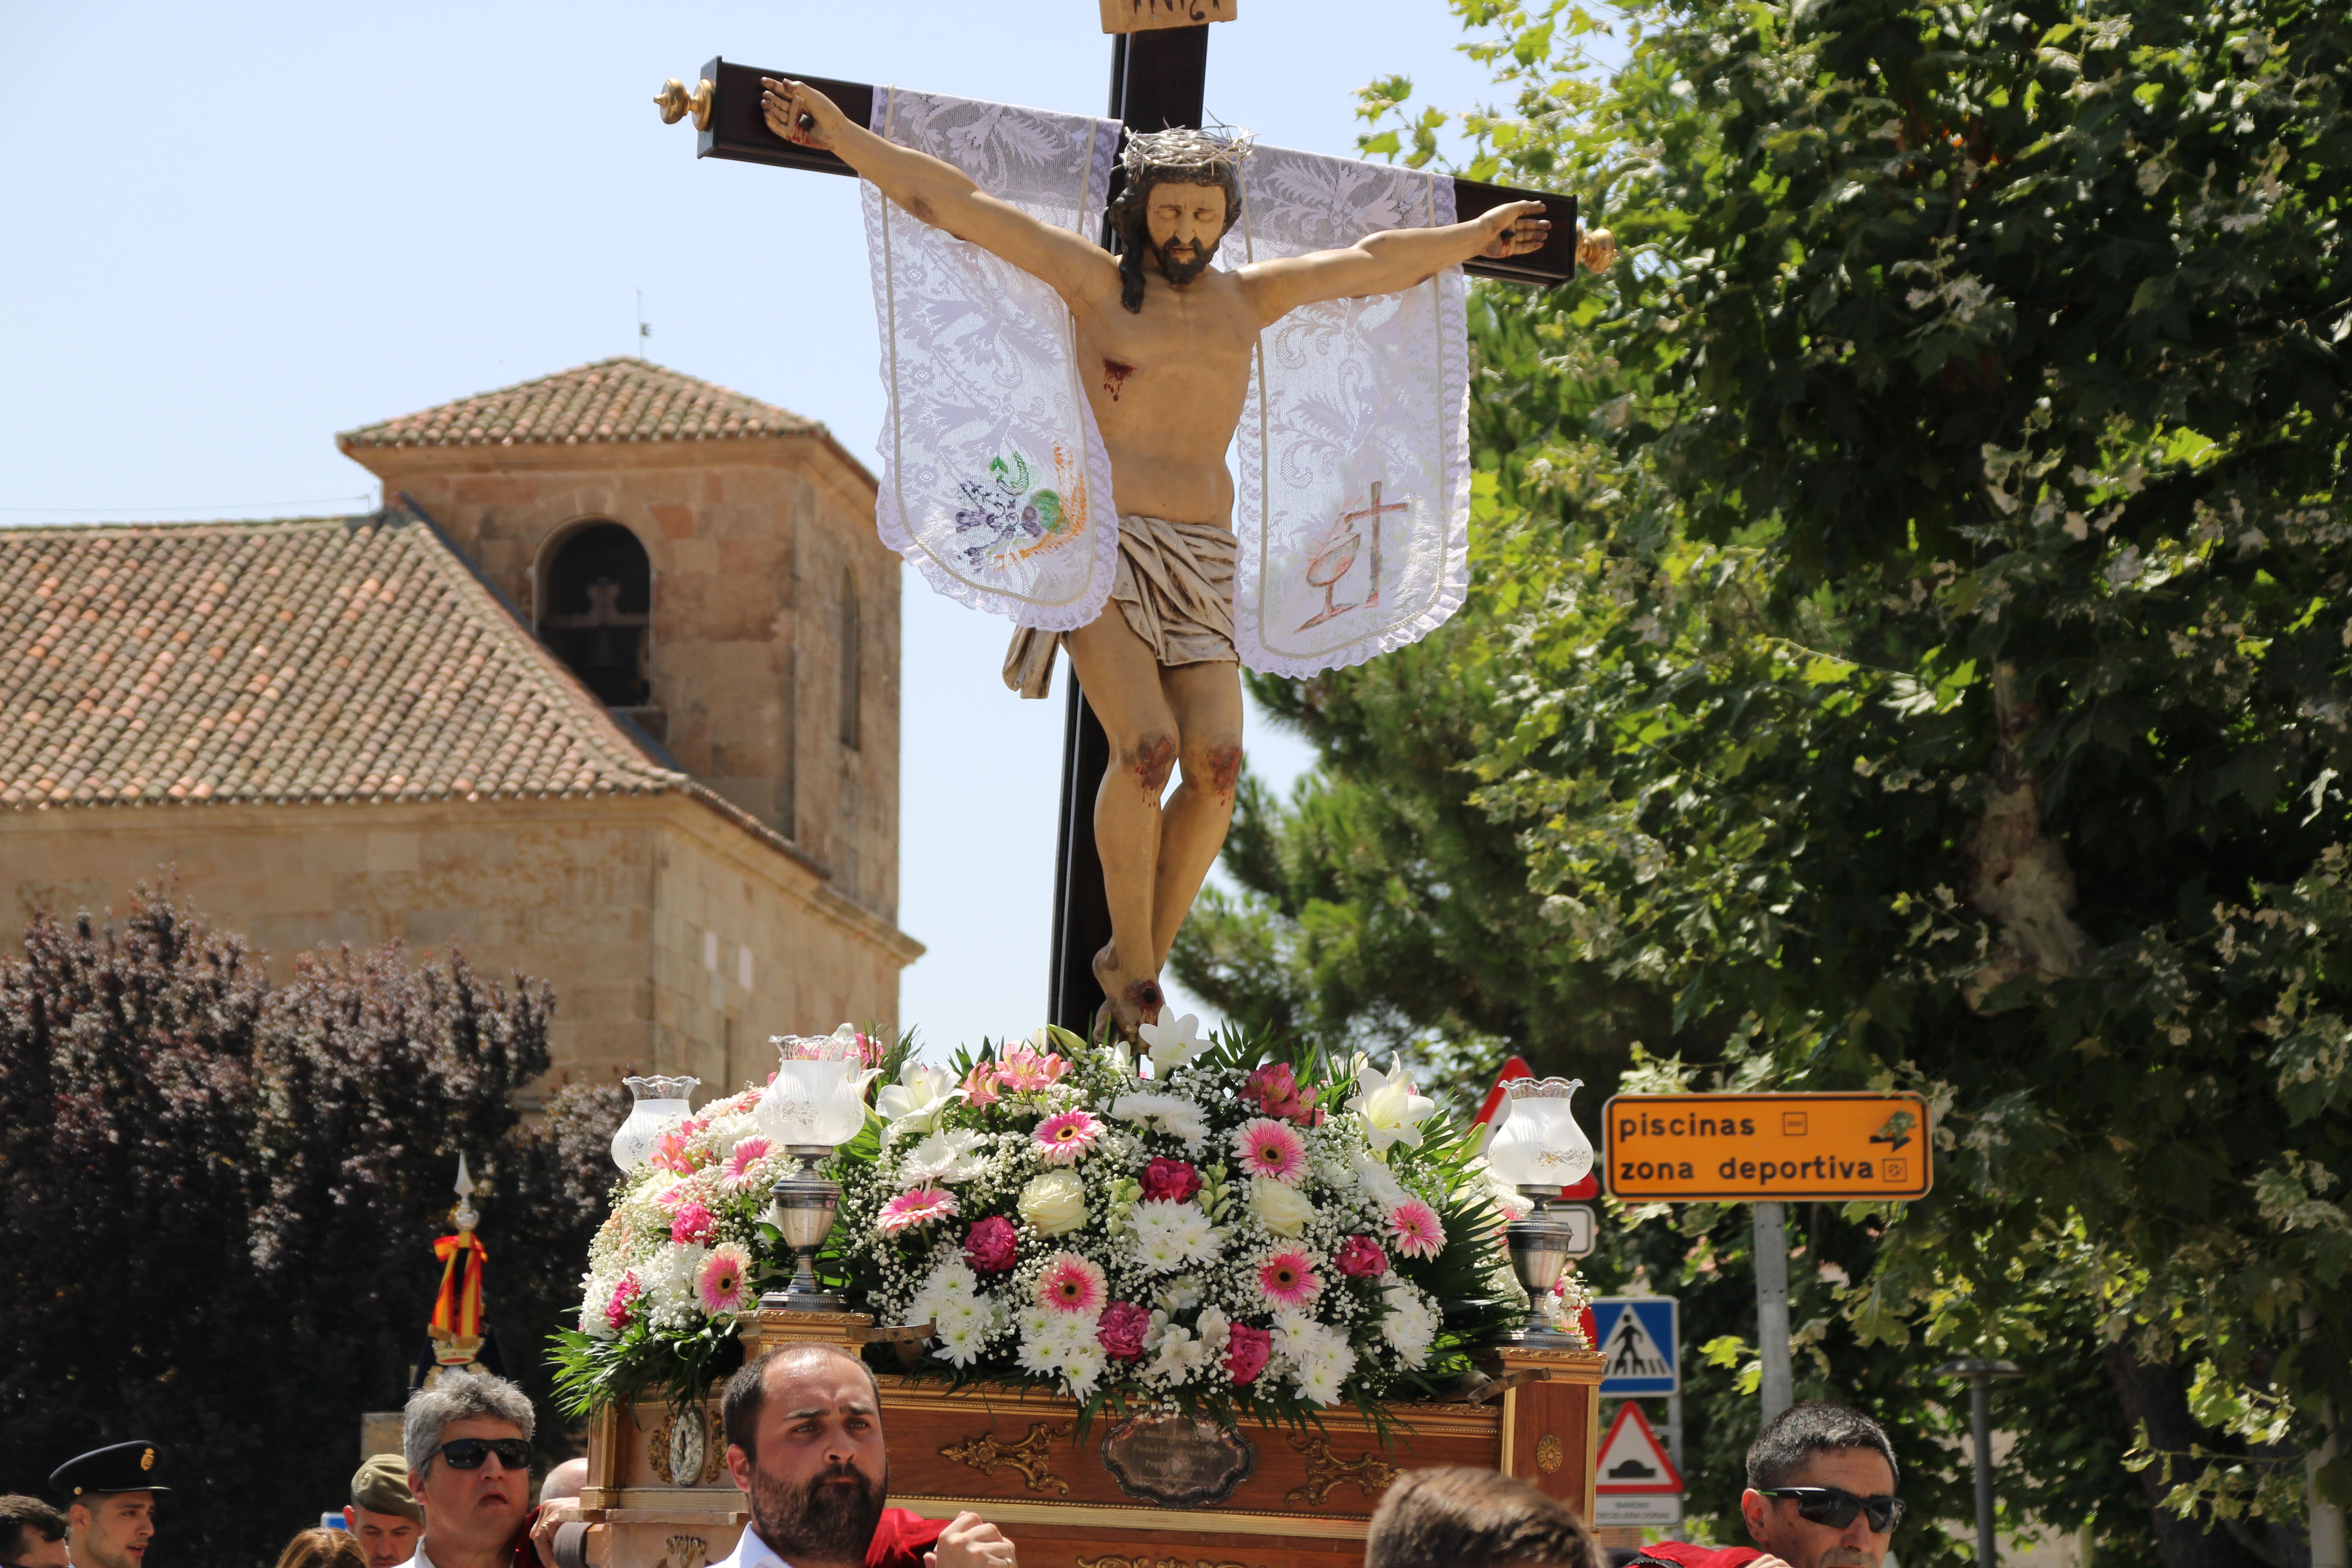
{"points": [[1224, 767], [1152, 759]]}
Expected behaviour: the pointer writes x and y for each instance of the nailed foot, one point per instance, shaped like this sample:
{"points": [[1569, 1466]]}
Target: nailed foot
{"points": [[1130, 1000]]}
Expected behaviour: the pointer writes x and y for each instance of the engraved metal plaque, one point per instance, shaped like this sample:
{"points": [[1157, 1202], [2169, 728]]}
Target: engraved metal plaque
{"points": [[1176, 1462]]}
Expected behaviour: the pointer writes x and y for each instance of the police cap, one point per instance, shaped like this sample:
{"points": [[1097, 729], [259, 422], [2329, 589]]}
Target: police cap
{"points": [[132, 1467]]}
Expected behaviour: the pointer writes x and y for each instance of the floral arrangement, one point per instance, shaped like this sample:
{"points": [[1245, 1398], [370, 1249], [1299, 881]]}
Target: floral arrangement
{"points": [[1208, 1226]]}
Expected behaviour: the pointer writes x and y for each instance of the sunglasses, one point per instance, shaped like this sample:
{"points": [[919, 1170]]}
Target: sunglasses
{"points": [[1836, 1507], [467, 1453]]}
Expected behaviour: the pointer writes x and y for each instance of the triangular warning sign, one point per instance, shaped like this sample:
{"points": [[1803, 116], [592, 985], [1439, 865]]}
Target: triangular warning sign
{"points": [[1632, 1458], [1630, 1352]]}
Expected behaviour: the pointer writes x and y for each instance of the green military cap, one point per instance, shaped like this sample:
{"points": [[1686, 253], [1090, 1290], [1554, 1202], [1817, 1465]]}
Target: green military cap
{"points": [[132, 1467], [381, 1485]]}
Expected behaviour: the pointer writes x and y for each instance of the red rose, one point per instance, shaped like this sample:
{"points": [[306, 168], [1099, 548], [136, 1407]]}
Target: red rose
{"points": [[1171, 1180], [991, 1247], [1247, 1352], [1360, 1257], [1123, 1329]]}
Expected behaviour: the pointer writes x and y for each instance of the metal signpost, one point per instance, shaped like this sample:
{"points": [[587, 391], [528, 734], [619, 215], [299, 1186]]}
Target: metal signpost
{"points": [[1640, 1339]]}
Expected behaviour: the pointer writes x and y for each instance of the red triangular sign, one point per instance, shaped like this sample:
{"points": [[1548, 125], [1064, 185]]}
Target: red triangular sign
{"points": [[1516, 1067], [1632, 1460]]}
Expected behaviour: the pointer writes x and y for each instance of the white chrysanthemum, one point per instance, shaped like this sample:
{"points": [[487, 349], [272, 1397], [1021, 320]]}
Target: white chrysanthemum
{"points": [[1411, 1325], [1041, 1356], [1082, 1366], [1172, 1236], [1319, 1379], [1376, 1182], [1170, 1113], [949, 1156]]}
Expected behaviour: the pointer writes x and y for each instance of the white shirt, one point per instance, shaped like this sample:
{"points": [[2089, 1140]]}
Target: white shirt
{"points": [[420, 1560], [751, 1551]]}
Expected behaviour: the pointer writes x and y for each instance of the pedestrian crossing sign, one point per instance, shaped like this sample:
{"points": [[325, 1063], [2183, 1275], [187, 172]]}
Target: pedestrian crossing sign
{"points": [[1640, 1340]]}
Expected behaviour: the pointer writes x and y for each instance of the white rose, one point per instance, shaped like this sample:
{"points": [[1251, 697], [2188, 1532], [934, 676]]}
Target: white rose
{"points": [[1285, 1211], [1053, 1204]]}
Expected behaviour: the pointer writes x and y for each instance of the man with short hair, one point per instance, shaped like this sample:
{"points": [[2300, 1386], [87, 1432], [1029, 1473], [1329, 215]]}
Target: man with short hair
{"points": [[110, 1495], [564, 1483], [383, 1515], [1820, 1494], [32, 1535], [804, 1442], [1456, 1517], [467, 1443]]}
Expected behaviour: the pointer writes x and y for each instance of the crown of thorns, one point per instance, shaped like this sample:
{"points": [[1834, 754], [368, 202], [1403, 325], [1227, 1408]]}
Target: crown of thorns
{"points": [[1182, 151]]}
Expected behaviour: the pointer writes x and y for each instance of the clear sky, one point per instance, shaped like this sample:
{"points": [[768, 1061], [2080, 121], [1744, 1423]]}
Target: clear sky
{"points": [[235, 229]]}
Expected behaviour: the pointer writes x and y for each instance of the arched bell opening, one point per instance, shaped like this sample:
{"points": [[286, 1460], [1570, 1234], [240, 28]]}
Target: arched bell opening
{"points": [[597, 610]]}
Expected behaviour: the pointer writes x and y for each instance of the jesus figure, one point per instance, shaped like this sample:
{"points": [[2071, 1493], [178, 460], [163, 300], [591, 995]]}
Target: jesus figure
{"points": [[1164, 342]]}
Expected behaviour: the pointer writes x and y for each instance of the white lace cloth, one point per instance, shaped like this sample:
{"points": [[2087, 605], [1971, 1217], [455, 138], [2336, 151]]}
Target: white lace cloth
{"points": [[1353, 498], [993, 475]]}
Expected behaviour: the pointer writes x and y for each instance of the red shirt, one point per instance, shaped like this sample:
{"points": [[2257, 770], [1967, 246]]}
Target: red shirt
{"points": [[901, 1539], [1683, 1554]]}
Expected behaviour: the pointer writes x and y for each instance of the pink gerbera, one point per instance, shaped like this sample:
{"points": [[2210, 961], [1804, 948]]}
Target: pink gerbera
{"points": [[1270, 1149], [1287, 1278], [1072, 1284], [1060, 1140], [748, 1154], [626, 1292], [724, 1281], [694, 1223], [921, 1207], [1412, 1226]]}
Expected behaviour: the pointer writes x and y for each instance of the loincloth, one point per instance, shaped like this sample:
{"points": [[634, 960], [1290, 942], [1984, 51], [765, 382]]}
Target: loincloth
{"points": [[1175, 586]]}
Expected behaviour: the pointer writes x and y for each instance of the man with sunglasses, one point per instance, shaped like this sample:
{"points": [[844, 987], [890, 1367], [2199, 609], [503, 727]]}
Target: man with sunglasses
{"points": [[467, 1443], [1820, 1494]]}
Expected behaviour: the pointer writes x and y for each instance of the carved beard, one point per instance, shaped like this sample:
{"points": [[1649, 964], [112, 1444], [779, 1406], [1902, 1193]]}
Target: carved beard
{"points": [[816, 1522], [1182, 272]]}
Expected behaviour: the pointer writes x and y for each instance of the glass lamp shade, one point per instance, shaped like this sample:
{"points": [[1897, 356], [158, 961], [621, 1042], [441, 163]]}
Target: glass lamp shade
{"points": [[661, 1104], [1537, 1142], [819, 1094]]}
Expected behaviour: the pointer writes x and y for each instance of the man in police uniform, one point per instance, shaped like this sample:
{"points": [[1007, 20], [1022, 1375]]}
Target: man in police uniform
{"points": [[109, 1498]]}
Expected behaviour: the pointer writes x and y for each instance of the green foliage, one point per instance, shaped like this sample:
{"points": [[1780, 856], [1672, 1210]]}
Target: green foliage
{"points": [[1909, 647]]}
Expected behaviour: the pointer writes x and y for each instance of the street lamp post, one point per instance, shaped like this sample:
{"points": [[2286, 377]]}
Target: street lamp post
{"points": [[1980, 1375]]}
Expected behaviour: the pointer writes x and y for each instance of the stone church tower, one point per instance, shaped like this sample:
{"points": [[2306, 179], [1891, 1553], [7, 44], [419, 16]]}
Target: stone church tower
{"points": [[707, 565], [606, 693]]}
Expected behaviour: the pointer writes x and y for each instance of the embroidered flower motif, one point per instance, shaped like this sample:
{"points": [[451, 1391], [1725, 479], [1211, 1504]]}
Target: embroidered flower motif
{"points": [[748, 1154], [1072, 1284], [1124, 1329], [921, 1206], [1360, 1257], [724, 1281], [1413, 1227], [1247, 1350], [1288, 1278], [1272, 1151], [993, 1246], [1061, 1140], [1171, 1181], [694, 1223]]}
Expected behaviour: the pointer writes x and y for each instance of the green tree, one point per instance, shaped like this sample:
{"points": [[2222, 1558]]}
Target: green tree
{"points": [[1911, 649], [220, 1197]]}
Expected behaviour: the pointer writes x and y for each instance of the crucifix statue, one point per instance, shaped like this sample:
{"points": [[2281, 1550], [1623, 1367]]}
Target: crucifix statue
{"points": [[1167, 351]]}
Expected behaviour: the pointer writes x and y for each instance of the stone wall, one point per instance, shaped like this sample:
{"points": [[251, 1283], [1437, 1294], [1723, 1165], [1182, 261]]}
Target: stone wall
{"points": [[753, 543], [677, 938]]}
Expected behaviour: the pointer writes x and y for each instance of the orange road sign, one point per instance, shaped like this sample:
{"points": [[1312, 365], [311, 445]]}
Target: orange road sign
{"points": [[1751, 1148]]}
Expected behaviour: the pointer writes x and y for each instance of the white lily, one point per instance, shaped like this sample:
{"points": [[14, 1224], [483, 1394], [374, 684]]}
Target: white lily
{"points": [[1172, 1044], [917, 1101], [1390, 1107]]}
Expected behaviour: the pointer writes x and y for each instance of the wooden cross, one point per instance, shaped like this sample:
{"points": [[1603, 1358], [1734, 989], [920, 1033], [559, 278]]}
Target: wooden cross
{"points": [[1158, 78]]}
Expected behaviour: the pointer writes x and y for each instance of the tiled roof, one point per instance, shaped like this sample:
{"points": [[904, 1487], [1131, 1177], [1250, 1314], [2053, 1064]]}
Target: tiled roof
{"points": [[347, 659], [612, 400]]}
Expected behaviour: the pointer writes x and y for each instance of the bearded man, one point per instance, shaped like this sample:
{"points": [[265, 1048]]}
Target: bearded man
{"points": [[1163, 343], [804, 1442]]}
